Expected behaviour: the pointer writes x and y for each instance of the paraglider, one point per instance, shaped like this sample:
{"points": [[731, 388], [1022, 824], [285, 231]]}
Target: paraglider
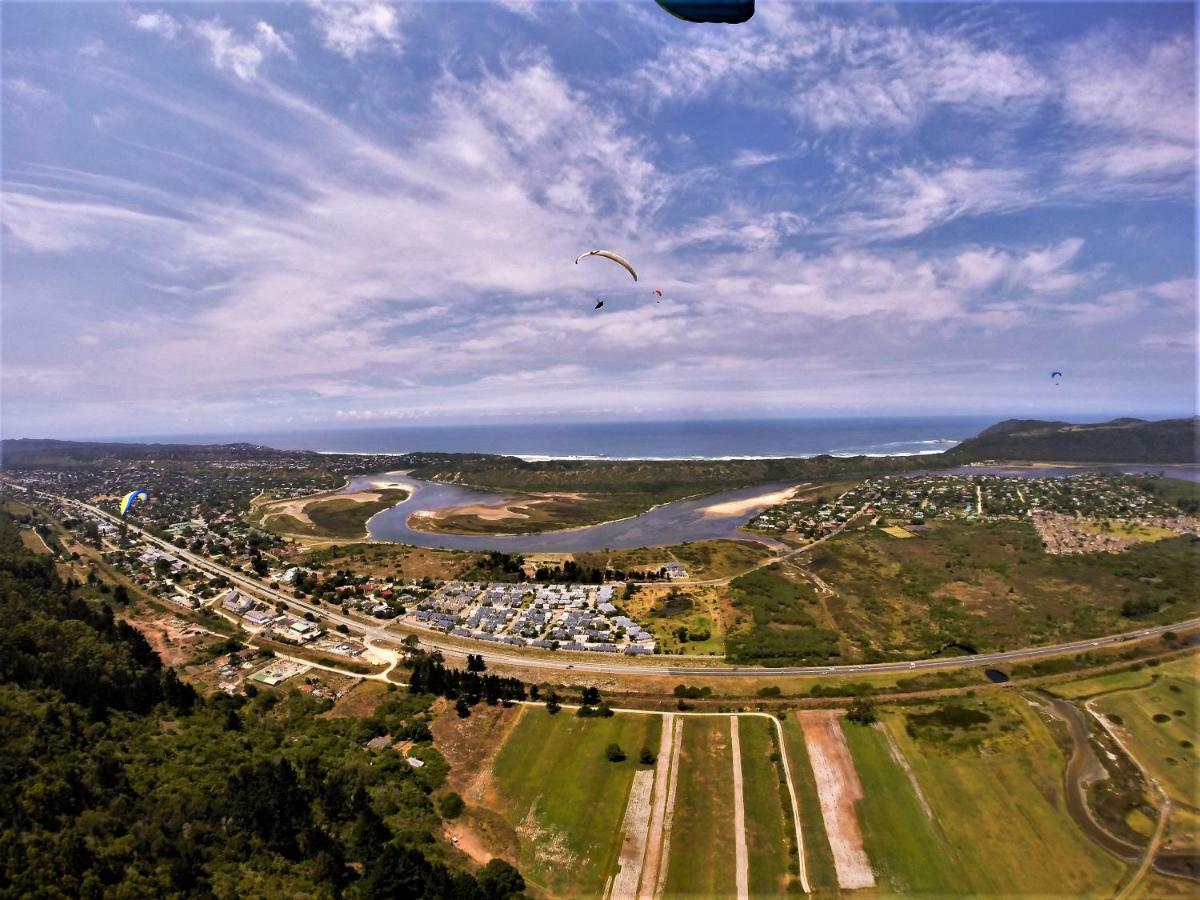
{"points": [[1056, 377], [599, 303], [657, 293], [726, 12], [608, 254], [131, 498]]}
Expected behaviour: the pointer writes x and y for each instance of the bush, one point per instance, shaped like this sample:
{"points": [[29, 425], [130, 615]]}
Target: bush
{"points": [[770, 690], [647, 757], [1161, 717], [499, 881], [614, 753], [862, 713], [1140, 608], [450, 806]]}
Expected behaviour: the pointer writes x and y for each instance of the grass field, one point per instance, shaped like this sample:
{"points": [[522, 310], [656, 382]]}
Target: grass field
{"points": [[897, 532], [702, 852], [768, 823], [564, 799], [1159, 721], [1132, 531], [698, 610], [990, 585], [818, 857], [905, 847], [997, 797], [1102, 684]]}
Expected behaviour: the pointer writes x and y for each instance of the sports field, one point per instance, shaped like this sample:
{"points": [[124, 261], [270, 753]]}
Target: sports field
{"points": [[564, 799]]}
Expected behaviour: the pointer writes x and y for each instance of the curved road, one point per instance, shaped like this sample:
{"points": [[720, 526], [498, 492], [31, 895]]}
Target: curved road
{"points": [[576, 663]]}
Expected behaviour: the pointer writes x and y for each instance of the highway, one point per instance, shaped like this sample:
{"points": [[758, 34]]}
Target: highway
{"points": [[579, 662]]}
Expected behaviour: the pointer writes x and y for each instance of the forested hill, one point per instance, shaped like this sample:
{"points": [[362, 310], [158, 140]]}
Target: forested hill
{"points": [[116, 779], [45, 453], [1120, 440]]}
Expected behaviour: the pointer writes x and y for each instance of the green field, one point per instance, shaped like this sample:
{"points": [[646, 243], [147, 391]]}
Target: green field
{"points": [[905, 847], [702, 851], [996, 793], [564, 799], [768, 822], [1103, 684], [1164, 745], [818, 857]]}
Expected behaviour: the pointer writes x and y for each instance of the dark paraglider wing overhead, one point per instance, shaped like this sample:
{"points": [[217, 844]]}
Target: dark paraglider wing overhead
{"points": [[727, 12]]}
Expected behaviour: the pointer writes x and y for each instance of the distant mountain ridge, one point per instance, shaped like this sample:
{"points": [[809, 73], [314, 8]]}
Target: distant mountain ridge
{"points": [[1124, 440]]}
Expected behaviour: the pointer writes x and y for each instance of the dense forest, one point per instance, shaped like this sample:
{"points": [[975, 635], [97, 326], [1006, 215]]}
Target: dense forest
{"points": [[118, 780]]}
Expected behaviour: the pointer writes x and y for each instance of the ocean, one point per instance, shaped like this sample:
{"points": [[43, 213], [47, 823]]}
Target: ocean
{"points": [[700, 439]]}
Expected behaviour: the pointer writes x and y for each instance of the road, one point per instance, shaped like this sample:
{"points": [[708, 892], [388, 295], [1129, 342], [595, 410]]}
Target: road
{"points": [[578, 664]]}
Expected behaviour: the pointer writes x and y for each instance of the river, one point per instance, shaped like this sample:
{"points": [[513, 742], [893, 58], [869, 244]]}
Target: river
{"points": [[669, 523]]}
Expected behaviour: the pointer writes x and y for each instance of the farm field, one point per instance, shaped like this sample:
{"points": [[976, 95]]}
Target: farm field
{"points": [[1158, 721], [769, 828], [564, 800], [996, 792], [702, 845], [904, 844], [817, 856], [1102, 684]]}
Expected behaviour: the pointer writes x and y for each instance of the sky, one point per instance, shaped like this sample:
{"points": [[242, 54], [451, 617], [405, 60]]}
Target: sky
{"points": [[269, 216]]}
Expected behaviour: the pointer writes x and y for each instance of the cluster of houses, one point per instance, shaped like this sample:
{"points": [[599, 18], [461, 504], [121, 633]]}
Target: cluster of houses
{"points": [[547, 616], [280, 626], [916, 500]]}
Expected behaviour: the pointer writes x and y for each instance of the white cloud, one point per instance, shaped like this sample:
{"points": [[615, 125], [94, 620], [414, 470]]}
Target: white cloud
{"points": [[157, 22], [351, 28], [1137, 105], [28, 94], [910, 201], [844, 71], [240, 56]]}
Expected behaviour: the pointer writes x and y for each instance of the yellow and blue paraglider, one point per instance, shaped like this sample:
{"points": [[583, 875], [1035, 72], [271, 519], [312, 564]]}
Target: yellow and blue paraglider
{"points": [[131, 498]]}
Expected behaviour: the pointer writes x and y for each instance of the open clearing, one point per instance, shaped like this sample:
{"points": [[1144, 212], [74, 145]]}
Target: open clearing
{"points": [[564, 801], [702, 861], [839, 790], [1159, 723], [996, 792]]}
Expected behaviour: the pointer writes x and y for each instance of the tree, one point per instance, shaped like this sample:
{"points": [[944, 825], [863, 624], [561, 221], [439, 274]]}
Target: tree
{"points": [[862, 713], [499, 881], [591, 696], [450, 806], [647, 757], [614, 753], [462, 708], [552, 704]]}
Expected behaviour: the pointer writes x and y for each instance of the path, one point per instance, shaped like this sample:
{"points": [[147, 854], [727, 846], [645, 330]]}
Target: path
{"points": [[666, 776], [979, 499], [741, 859], [636, 827]]}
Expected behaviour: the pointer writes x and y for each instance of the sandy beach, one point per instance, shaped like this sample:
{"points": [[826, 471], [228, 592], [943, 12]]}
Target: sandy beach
{"points": [[741, 507]]}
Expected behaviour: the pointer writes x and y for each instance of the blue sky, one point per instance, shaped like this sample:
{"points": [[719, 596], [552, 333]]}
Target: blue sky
{"points": [[232, 216]]}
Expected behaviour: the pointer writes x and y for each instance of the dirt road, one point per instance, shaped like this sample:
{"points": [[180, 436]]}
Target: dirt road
{"points": [[666, 774], [741, 858]]}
